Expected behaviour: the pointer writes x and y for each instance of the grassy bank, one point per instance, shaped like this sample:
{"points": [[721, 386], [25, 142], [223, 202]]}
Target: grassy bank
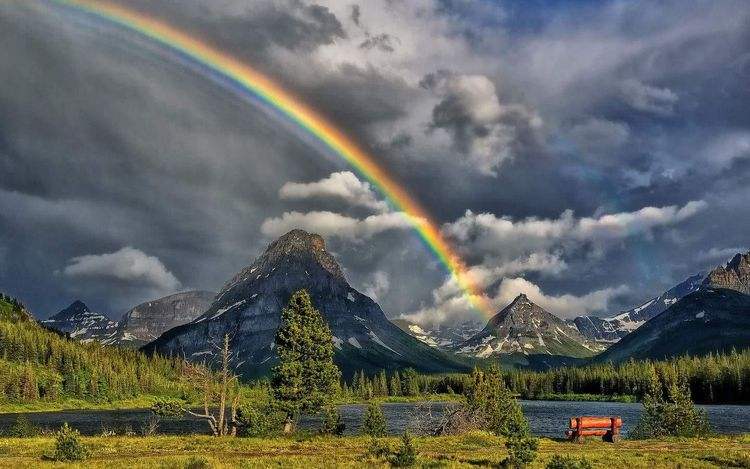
{"points": [[470, 450]]}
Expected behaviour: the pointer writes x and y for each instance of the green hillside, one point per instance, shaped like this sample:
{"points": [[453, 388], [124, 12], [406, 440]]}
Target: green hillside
{"points": [[39, 366]]}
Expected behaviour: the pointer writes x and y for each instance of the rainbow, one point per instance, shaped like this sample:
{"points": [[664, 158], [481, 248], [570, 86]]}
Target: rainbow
{"points": [[247, 80]]}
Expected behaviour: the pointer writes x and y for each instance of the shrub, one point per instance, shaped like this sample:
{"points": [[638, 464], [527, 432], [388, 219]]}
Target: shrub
{"points": [[670, 413], [493, 406], [332, 424], [406, 454], [374, 421], [256, 421], [23, 428], [567, 462], [521, 451], [67, 446], [197, 463], [378, 449]]}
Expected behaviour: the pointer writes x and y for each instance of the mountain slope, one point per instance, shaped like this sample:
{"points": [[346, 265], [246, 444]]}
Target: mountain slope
{"points": [[13, 310], [442, 337], [735, 275], [149, 320], [704, 321], [248, 308], [79, 322], [614, 328], [524, 328]]}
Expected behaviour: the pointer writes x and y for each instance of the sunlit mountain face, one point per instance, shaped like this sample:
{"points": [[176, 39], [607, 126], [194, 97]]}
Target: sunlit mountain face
{"points": [[589, 155]]}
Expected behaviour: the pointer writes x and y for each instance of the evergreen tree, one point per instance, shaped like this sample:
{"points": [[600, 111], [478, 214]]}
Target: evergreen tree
{"points": [[374, 423], [395, 384], [306, 377]]}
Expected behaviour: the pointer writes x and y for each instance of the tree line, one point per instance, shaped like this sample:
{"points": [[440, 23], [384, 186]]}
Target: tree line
{"points": [[713, 378]]}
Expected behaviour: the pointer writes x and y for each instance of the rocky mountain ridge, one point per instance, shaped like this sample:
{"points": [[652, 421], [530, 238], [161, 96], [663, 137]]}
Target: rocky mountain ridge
{"points": [[525, 328], [612, 329], [249, 307], [137, 326]]}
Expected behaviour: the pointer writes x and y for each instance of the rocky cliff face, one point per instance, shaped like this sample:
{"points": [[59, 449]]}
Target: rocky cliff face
{"points": [[612, 329], [525, 328], [149, 320], [248, 308], [79, 322], [734, 276]]}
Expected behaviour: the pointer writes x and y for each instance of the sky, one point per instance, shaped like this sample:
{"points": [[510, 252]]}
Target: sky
{"points": [[588, 154]]}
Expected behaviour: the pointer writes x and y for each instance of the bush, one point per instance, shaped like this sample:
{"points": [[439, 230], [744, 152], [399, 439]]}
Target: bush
{"points": [[406, 455], [492, 404], [567, 462], [374, 421], [332, 424], [67, 446], [378, 449], [670, 413], [197, 463], [23, 428], [256, 421], [521, 451]]}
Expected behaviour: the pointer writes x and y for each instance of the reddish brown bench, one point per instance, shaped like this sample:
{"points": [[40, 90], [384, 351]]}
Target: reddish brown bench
{"points": [[606, 427]]}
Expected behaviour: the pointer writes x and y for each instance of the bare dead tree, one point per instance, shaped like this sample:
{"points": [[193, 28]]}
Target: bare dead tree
{"points": [[217, 395]]}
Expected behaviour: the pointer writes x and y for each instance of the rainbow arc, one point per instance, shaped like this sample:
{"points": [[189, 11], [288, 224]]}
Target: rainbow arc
{"points": [[247, 80]]}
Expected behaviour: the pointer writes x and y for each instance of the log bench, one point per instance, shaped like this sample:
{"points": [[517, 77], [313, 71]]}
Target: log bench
{"points": [[606, 427]]}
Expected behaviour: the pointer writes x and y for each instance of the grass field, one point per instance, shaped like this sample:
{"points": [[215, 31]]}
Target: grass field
{"points": [[470, 450]]}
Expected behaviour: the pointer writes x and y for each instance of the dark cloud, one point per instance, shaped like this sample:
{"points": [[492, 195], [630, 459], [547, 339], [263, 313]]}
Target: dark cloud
{"points": [[108, 141]]}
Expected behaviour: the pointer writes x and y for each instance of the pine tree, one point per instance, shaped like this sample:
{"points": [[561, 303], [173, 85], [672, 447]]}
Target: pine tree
{"points": [[373, 423], [306, 377], [395, 384]]}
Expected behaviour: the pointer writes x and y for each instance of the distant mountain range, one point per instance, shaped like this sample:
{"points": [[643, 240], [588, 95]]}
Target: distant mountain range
{"points": [[138, 326], [248, 308], [715, 317], [704, 313], [612, 329]]}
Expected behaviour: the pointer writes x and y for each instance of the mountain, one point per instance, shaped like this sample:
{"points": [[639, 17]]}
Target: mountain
{"points": [[441, 337], [79, 322], [138, 326], [248, 308], [525, 328], [615, 328], [734, 276], [716, 317], [707, 320], [149, 320]]}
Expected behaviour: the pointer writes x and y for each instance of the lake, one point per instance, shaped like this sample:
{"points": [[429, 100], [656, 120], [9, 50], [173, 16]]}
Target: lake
{"points": [[547, 418]]}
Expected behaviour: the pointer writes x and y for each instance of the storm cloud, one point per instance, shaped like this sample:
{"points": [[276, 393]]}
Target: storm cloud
{"points": [[588, 154]]}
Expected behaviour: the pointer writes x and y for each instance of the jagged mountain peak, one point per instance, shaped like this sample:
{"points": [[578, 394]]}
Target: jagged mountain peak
{"points": [[523, 327], [297, 247], [81, 323], [735, 275]]}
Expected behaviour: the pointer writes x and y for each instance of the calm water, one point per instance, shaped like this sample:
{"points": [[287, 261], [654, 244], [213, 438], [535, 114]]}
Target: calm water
{"points": [[547, 418]]}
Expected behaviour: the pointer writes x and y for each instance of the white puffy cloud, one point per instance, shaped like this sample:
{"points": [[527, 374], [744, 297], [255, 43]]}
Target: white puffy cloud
{"points": [[565, 306], [330, 224], [484, 130], [457, 308], [488, 233], [129, 265], [343, 185], [647, 98], [718, 255], [378, 285]]}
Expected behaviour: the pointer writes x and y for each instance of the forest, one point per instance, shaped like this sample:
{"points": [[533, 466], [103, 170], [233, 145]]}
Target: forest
{"points": [[714, 378], [38, 364]]}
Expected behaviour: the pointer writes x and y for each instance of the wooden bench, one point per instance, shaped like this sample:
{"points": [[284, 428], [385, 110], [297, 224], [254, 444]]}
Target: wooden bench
{"points": [[606, 427]]}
